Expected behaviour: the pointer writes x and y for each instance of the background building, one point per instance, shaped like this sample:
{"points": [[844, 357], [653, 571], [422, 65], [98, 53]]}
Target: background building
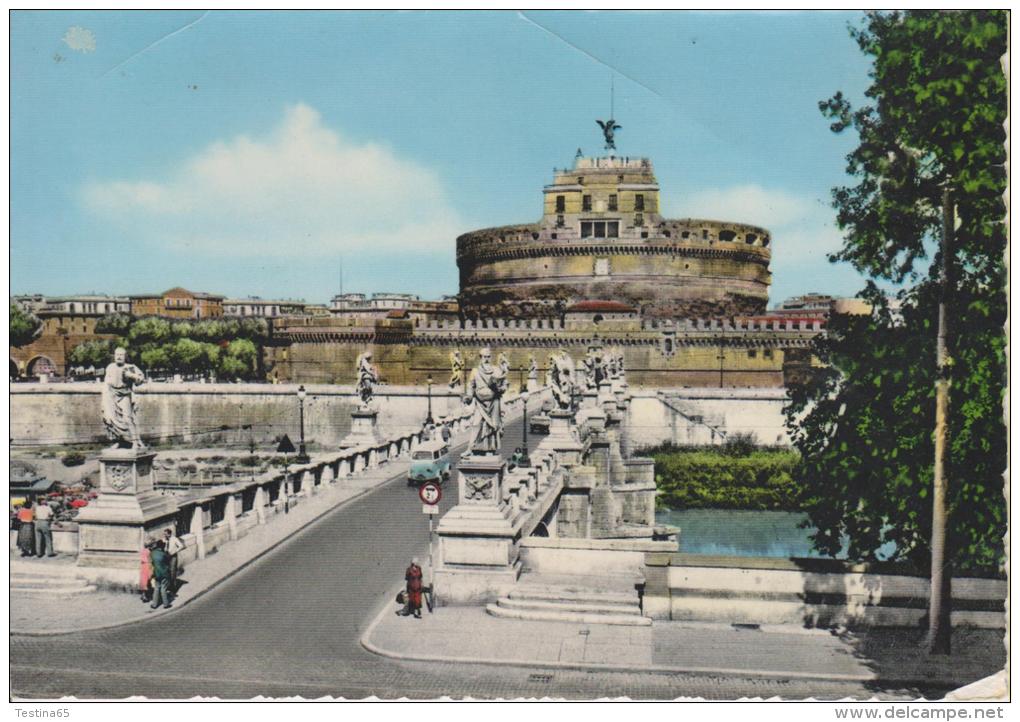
{"points": [[178, 303]]}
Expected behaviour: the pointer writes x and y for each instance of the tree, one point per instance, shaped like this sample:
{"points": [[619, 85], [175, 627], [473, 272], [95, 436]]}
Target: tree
{"points": [[238, 360], [96, 354], [864, 425], [115, 323], [25, 326]]}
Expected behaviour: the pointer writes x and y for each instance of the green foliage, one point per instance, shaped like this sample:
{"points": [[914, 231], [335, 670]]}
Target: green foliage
{"points": [[73, 458], [24, 326], [717, 479], [227, 346], [740, 444], [115, 323], [193, 357], [239, 360], [97, 353], [864, 425]]}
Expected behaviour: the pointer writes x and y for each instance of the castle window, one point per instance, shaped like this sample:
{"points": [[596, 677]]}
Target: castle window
{"points": [[639, 219], [752, 353], [685, 234], [704, 234], [600, 229], [553, 236], [561, 204], [727, 235], [765, 241], [559, 221], [750, 238], [586, 203], [612, 201], [767, 353], [639, 202]]}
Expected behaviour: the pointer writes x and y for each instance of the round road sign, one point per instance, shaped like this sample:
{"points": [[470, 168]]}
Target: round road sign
{"points": [[430, 493]]}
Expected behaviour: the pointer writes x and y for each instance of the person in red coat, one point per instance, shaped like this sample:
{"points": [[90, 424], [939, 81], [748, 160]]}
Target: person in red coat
{"points": [[413, 578]]}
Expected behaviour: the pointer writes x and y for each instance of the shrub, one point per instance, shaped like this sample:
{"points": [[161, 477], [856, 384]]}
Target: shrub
{"points": [[73, 458], [719, 479]]}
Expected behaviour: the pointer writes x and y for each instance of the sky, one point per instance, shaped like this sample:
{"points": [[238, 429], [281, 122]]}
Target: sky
{"points": [[259, 153]]}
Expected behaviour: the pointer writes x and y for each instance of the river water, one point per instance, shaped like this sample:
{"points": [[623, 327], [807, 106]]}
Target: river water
{"points": [[744, 533]]}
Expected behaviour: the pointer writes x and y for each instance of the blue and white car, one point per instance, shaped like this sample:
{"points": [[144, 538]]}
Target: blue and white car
{"points": [[429, 462]]}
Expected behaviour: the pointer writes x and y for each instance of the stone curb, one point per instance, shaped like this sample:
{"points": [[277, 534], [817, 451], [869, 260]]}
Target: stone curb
{"points": [[370, 646]]}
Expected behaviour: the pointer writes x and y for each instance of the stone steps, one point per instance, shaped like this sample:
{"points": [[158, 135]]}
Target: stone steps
{"points": [[579, 606], [611, 599], [56, 581], [545, 615], [567, 595]]}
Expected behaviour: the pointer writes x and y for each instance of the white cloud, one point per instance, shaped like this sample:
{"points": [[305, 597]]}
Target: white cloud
{"points": [[80, 39], [803, 232], [303, 190], [743, 204]]}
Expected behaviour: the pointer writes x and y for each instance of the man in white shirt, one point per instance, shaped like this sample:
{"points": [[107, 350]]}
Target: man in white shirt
{"points": [[173, 546], [43, 532]]}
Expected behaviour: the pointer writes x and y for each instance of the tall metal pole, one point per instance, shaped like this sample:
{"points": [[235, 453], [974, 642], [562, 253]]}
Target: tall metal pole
{"points": [[428, 417], [940, 601], [302, 454], [301, 410]]}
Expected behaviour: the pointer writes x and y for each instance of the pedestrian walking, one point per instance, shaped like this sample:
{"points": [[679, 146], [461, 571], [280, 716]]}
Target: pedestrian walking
{"points": [[413, 578], [173, 547], [145, 578], [161, 575], [43, 532], [26, 529]]}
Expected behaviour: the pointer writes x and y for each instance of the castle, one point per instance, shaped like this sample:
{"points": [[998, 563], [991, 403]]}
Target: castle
{"points": [[683, 299], [601, 237]]}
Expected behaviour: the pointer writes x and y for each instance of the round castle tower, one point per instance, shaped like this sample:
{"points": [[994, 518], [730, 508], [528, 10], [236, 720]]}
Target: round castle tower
{"points": [[601, 238]]}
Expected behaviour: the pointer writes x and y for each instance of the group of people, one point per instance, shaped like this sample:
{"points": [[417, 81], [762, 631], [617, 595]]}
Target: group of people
{"points": [[160, 567], [35, 535]]}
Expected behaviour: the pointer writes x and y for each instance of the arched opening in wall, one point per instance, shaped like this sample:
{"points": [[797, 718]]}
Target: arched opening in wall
{"points": [[765, 241], [597, 319], [14, 369], [727, 235], [751, 238], [667, 345], [41, 365]]}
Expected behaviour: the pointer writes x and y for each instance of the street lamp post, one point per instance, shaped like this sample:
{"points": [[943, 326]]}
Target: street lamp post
{"points": [[302, 457], [428, 417], [525, 459]]}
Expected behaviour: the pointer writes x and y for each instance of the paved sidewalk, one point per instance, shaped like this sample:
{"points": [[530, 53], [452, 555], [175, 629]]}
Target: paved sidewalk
{"points": [[38, 614], [881, 656]]}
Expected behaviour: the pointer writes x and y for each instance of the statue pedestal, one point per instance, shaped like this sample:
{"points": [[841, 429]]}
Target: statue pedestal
{"points": [[607, 402], [113, 528], [479, 539], [589, 399], [363, 428], [562, 438]]}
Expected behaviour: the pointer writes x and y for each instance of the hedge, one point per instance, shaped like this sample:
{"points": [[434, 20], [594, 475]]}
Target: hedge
{"points": [[710, 479]]}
